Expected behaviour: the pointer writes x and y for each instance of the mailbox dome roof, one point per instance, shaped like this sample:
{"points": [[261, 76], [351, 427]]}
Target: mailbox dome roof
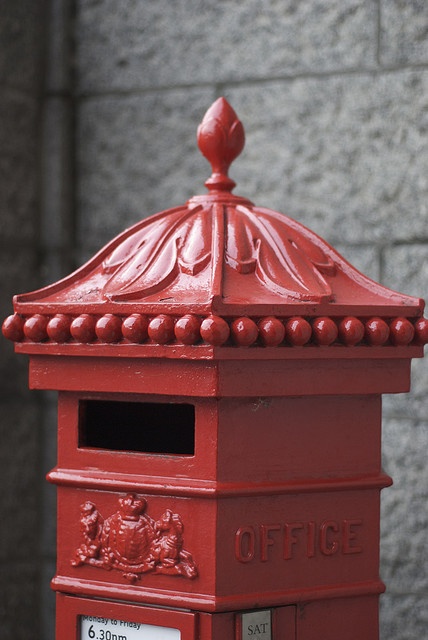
{"points": [[218, 254]]}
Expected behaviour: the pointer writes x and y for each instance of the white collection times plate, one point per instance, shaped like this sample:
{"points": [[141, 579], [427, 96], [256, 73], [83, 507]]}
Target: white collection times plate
{"points": [[98, 628]]}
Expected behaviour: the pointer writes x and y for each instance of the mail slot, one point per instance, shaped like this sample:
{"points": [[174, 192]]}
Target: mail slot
{"points": [[219, 370]]}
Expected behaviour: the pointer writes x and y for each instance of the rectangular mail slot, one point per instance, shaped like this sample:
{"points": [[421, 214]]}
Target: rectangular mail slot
{"points": [[145, 427]]}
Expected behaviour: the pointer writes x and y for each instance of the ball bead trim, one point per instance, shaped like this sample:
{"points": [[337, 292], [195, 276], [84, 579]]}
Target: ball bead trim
{"points": [[35, 328], [271, 331], [190, 329], [244, 331], [187, 329], [13, 328], [134, 328], [421, 331], [215, 330], [298, 331], [161, 329], [324, 331], [351, 331], [109, 328], [376, 331], [58, 328], [82, 328], [402, 331]]}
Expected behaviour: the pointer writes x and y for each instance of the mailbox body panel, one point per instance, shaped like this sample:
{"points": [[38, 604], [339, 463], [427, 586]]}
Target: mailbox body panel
{"points": [[298, 372], [236, 440], [266, 549], [278, 490], [279, 499]]}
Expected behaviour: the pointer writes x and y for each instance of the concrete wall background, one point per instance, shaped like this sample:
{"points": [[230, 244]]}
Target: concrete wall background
{"points": [[21, 431], [99, 131]]}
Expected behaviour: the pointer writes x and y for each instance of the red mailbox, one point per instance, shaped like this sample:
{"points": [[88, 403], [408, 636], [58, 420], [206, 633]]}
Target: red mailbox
{"points": [[220, 371]]}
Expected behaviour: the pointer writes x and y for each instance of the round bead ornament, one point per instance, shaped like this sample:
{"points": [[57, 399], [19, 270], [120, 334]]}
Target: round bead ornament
{"points": [[187, 329], [351, 331], [421, 330], [402, 331], [376, 331], [109, 328], [161, 329], [244, 331], [215, 330], [271, 331], [82, 328], [325, 331], [13, 328], [35, 328], [134, 328], [58, 328], [298, 331]]}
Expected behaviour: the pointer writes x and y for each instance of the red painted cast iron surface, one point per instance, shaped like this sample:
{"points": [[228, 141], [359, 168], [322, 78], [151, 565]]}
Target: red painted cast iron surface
{"points": [[220, 370]]}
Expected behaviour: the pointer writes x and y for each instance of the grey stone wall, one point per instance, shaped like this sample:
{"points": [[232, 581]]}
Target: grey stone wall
{"points": [[334, 99], [36, 240], [333, 95], [21, 78]]}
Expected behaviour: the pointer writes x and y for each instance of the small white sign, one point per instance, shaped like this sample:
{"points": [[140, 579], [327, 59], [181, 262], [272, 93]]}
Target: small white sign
{"points": [[98, 628], [256, 625]]}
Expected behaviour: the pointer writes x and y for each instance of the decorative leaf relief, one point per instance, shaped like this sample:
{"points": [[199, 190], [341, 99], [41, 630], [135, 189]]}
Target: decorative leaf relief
{"points": [[280, 264], [281, 257], [241, 247], [150, 234], [151, 260], [195, 249]]}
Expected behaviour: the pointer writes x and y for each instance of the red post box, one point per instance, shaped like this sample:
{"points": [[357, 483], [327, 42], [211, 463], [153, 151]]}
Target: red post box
{"points": [[220, 370]]}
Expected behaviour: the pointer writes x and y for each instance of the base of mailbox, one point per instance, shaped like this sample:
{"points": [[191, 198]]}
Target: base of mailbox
{"points": [[354, 618]]}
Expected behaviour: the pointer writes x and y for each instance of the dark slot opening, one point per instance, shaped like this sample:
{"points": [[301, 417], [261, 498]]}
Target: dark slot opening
{"points": [[145, 427]]}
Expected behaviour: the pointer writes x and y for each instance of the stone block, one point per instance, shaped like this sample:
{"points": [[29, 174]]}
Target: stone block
{"points": [[18, 274], [18, 166], [19, 499], [405, 268], [59, 55], [404, 547], [403, 34], [19, 610], [22, 29], [131, 45], [403, 617], [137, 156], [365, 259], [56, 175], [47, 609], [344, 155], [56, 264]]}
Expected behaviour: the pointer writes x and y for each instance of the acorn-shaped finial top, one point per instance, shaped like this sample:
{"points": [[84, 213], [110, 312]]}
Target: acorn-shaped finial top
{"points": [[221, 139]]}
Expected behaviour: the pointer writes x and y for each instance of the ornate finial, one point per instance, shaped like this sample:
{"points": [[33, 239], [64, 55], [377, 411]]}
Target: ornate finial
{"points": [[221, 139]]}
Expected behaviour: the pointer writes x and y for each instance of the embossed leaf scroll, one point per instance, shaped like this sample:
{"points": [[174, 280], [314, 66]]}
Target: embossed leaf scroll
{"points": [[284, 257], [132, 542], [183, 241], [216, 254]]}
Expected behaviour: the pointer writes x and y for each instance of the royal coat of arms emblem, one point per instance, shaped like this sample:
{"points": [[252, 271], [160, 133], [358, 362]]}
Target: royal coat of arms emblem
{"points": [[132, 542]]}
